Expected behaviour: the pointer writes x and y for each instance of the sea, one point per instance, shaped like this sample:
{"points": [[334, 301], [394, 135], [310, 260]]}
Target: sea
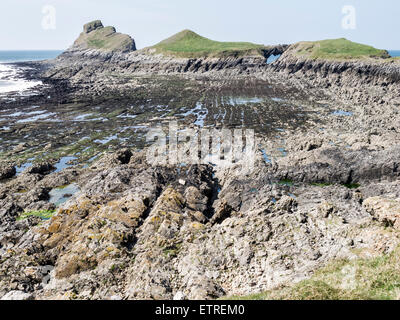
{"points": [[33, 55], [394, 53], [9, 81]]}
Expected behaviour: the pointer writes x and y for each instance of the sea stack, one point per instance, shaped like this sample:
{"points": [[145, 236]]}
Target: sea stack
{"points": [[96, 36]]}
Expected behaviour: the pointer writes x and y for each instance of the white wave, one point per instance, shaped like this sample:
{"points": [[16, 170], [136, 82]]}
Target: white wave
{"points": [[9, 82]]}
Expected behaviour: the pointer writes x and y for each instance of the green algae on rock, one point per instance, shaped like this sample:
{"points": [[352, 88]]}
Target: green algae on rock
{"points": [[43, 214]]}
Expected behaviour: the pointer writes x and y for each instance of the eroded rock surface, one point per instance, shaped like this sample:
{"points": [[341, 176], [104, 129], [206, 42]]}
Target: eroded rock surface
{"points": [[137, 232], [325, 184]]}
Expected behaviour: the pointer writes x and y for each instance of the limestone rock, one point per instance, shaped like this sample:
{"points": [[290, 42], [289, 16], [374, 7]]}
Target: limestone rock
{"points": [[135, 232], [91, 26], [385, 210], [96, 36], [325, 209]]}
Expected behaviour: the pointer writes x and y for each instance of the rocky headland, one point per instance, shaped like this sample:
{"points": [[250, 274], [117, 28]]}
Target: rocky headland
{"points": [[84, 216]]}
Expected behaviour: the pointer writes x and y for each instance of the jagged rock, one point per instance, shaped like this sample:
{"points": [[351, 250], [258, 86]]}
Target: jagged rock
{"points": [[205, 289], [91, 26], [40, 168], [135, 232], [384, 210], [8, 210], [122, 156], [326, 209], [223, 211], [107, 229], [286, 203], [195, 200], [7, 171], [99, 38]]}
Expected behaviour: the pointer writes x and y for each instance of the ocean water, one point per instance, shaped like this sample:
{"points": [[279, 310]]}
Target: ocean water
{"points": [[9, 80], [28, 55], [273, 58], [394, 53]]}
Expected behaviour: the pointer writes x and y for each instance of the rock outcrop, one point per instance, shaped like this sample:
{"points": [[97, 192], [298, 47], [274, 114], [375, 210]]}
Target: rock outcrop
{"points": [[97, 37], [99, 53], [91, 26], [138, 232], [372, 70], [385, 210]]}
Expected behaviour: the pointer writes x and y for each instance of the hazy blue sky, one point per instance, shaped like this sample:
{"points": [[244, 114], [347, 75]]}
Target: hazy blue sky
{"points": [[149, 21]]}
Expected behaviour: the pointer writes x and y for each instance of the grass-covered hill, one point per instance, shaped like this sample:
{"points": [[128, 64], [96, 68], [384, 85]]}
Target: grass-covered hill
{"points": [[339, 49], [189, 44]]}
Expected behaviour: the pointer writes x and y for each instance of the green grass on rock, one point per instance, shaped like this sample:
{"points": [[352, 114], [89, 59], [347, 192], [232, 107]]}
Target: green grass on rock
{"points": [[361, 279], [189, 44], [338, 49]]}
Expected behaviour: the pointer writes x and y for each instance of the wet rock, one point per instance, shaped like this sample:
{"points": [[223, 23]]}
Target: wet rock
{"points": [[139, 232], [7, 171], [36, 195], [40, 206], [40, 168], [123, 156], [8, 210]]}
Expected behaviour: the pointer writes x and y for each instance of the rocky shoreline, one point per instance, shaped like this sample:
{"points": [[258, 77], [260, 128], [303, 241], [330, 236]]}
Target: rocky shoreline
{"points": [[84, 216]]}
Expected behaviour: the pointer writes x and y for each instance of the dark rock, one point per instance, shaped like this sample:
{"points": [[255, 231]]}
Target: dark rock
{"points": [[91, 26], [222, 212], [40, 168], [7, 171]]}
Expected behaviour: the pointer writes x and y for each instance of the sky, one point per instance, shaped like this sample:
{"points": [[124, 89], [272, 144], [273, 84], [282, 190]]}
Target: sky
{"points": [[55, 24]]}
